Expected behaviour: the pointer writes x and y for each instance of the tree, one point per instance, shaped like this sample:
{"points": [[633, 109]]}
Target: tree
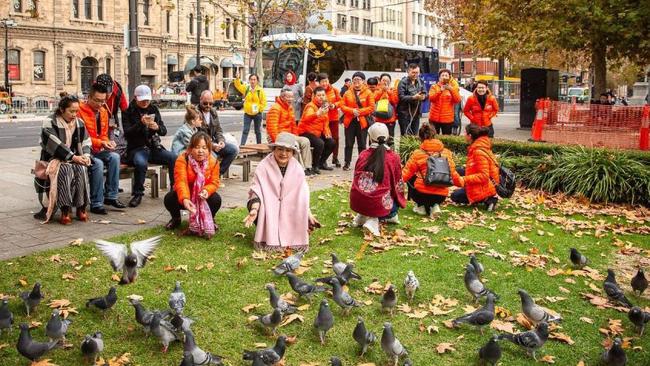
{"points": [[603, 29]]}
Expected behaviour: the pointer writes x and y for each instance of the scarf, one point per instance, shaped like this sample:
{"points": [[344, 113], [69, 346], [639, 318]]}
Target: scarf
{"points": [[201, 222], [481, 99], [53, 166]]}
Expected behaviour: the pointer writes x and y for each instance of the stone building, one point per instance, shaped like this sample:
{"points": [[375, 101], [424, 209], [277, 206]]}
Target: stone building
{"points": [[61, 45]]}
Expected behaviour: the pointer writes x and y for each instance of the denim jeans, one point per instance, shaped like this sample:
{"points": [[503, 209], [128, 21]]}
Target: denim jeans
{"points": [[247, 127], [111, 161], [141, 157], [227, 155]]}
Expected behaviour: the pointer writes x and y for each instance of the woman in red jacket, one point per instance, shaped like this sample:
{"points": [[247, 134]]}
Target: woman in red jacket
{"points": [[481, 107], [481, 170], [443, 95]]}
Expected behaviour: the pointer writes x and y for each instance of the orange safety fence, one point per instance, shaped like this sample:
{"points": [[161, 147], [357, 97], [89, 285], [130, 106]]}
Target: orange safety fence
{"points": [[593, 125]]}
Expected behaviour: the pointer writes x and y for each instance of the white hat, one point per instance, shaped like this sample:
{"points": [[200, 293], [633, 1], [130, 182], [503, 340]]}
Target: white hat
{"points": [[287, 140], [142, 92], [378, 130]]}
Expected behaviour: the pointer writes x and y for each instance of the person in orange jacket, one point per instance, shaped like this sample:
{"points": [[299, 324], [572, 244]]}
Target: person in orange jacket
{"points": [[386, 91], [481, 170], [357, 105], [443, 95], [481, 107], [314, 125], [427, 198], [333, 102], [196, 180]]}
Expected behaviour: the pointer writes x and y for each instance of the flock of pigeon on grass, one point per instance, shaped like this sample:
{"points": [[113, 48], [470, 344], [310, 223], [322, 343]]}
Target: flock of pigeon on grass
{"points": [[171, 325]]}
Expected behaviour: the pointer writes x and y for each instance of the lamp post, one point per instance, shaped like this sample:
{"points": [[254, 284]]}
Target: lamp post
{"points": [[198, 32], [134, 48], [6, 23]]}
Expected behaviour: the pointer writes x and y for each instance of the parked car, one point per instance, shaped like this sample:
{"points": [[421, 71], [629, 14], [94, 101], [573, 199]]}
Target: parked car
{"points": [[582, 95]]}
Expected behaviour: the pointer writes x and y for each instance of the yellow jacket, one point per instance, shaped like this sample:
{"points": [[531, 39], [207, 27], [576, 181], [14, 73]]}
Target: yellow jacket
{"points": [[252, 98]]}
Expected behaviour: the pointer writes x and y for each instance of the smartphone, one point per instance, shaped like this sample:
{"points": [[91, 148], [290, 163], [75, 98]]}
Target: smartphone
{"points": [[152, 116]]}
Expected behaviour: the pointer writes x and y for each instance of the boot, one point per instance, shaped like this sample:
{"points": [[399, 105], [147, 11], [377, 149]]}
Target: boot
{"points": [[65, 216], [82, 215]]}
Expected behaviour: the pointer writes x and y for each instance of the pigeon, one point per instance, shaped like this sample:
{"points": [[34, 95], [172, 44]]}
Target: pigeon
{"points": [[127, 261], [474, 285], [408, 362], [324, 320], [105, 302], [272, 320], [342, 298], [391, 345], [342, 280], [277, 302], [363, 337], [163, 330], [6, 316], [639, 318], [614, 293], [180, 323], [534, 312], [142, 315], [30, 349], [188, 360], [480, 317], [177, 299], [639, 282], [303, 288], [389, 299], [335, 361], [490, 352], [577, 258], [615, 355], [33, 298], [478, 267], [289, 264], [340, 268], [56, 327], [199, 356], [531, 340], [91, 347], [411, 284], [268, 356]]}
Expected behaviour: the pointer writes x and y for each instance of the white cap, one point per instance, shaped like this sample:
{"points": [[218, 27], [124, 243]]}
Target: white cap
{"points": [[142, 92], [376, 131]]}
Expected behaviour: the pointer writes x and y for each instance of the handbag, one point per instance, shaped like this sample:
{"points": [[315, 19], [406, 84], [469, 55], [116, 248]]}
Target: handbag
{"points": [[438, 171], [383, 109], [369, 119], [40, 167]]}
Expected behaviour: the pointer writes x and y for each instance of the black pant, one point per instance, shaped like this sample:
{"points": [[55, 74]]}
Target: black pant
{"points": [[408, 125], [174, 207], [322, 149], [391, 129], [423, 199], [459, 196], [352, 132], [443, 128]]}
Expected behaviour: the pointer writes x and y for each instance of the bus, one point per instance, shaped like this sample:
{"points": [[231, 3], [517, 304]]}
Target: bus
{"points": [[340, 57]]}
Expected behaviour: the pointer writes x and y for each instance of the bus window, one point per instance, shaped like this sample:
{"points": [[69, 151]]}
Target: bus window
{"points": [[277, 60]]}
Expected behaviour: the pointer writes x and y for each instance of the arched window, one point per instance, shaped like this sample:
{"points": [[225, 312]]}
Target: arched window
{"points": [[107, 69], [39, 65], [88, 9], [89, 66], [75, 9], [191, 23], [145, 11], [207, 26], [168, 22], [150, 62], [100, 9]]}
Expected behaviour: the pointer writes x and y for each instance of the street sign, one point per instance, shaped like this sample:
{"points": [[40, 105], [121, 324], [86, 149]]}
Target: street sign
{"points": [[126, 36]]}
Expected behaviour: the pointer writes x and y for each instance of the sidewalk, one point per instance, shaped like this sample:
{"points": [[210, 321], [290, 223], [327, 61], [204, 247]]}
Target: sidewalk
{"points": [[21, 234]]}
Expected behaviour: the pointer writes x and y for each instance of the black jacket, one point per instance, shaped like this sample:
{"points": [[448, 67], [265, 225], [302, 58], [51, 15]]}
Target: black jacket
{"points": [[213, 128], [407, 90], [197, 86], [137, 135]]}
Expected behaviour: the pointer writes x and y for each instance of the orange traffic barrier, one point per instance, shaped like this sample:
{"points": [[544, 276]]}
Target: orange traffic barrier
{"points": [[644, 139], [541, 116]]}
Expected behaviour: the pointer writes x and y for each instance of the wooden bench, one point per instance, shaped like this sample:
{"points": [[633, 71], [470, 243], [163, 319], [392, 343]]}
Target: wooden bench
{"points": [[128, 172], [248, 154]]}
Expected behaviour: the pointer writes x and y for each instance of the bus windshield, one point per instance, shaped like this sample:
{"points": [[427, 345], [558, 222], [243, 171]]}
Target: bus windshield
{"points": [[278, 58]]}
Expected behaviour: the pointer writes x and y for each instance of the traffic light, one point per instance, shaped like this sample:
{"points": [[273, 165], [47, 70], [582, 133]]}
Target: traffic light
{"points": [[579, 79], [565, 78]]}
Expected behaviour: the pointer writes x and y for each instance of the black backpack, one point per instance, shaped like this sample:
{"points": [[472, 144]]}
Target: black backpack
{"points": [[507, 182], [438, 171]]}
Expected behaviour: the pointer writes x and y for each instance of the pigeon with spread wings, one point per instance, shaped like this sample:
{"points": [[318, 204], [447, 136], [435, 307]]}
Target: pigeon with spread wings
{"points": [[128, 261]]}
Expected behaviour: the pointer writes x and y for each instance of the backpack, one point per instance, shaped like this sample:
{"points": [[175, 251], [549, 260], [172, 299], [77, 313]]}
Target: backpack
{"points": [[507, 181], [383, 109], [438, 171]]}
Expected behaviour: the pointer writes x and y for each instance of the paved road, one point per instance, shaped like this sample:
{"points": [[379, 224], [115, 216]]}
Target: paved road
{"points": [[26, 133]]}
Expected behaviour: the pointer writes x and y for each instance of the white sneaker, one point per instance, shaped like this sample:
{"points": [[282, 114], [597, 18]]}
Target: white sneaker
{"points": [[372, 225], [359, 220], [436, 209], [393, 220], [420, 210]]}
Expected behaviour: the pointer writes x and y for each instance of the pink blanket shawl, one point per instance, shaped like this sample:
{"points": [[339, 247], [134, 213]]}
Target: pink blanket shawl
{"points": [[283, 216], [201, 222]]}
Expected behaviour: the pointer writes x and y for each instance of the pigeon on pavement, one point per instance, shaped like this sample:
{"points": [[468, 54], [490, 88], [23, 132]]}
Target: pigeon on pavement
{"points": [[6, 316], [303, 288], [639, 318], [277, 302], [272, 320], [490, 352], [639, 282], [105, 302], [389, 299], [126, 261], [478, 267], [614, 293], [474, 285], [268, 356], [199, 356], [335, 361], [289, 264], [91, 347], [324, 320], [577, 258], [32, 298], [362, 336], [411, 285], [31, 349], [341, 297], [531, 340], [163, 330], [534, 312], [177, 299], [391, 345], [615, 355], [480, 317], [56, 327]]}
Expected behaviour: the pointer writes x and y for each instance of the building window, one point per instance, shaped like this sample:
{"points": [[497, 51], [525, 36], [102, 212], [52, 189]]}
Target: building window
{"points": [[341, 22], [340, 2], [14, 65], [366, 4], [150, 62], [207, 26], [367, 27], [88, 9], [228, 21], [191, 24], [108, 66], [145, 12], [39, 65], [100, 9], [168, 21], [235, 32], [75, 8], [18, 6], [354, 24], [68, 68], [354, 3]]}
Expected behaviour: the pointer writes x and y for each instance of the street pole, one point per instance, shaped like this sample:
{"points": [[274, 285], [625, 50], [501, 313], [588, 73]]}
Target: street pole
{"points": [[198, 32], [7, 58], [501, 77], [460, 59], [134, 49]]}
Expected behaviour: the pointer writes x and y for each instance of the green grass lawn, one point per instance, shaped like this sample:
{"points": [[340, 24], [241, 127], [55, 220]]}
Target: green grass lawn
{"points": [[222, 277]]}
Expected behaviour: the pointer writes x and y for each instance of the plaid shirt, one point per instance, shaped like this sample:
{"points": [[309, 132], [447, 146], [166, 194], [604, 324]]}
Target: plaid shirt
{"points": [[53, 142]]}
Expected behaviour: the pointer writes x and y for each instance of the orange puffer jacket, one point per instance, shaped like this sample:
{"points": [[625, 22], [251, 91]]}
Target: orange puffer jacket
{"points": [[311, 123], [280, 118], [184, 177], [349, 104], [334, 98], [443, 101], [417, 166], [87, 114], [481, 170], [478, 115], [393, 99]]}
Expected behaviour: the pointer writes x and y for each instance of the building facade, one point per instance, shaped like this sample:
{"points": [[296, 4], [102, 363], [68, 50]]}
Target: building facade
{"points": [[61, 45], [420, 30]]}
